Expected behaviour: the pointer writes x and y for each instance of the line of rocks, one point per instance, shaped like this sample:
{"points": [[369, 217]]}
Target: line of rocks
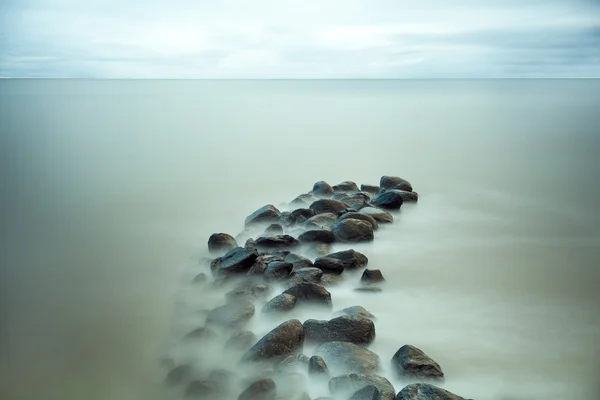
{"points": [[342, 213]]}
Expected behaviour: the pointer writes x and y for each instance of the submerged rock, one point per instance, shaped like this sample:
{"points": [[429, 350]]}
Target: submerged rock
{"points": [[231, 315], [276, 242], [372, 276], [311, 293], [353, 230], [424, 391], [404, 186], [285, 340], [268, 214], [297, 216], [352, 259], [274, 229], [202, 333], [219, 243], [368, 393], [322, 189], [346, 358], [318, 367], [263, 389], [178, 375], [278, 270], [362, 217], [311, 274], [321, 221], [248, 290], [369, 188], [379, 215], [303, 200], [201, 389], [357, 311], [351, 383], [346, 186], [328, 206], [341, 329], [280, 303], [389, 200], [389, 182], [235, 261], [412, 362], [329, 265], [241, 342], [356, 201], [317, 235]]}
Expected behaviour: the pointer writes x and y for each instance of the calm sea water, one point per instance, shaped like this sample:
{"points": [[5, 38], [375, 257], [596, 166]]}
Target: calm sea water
{"points": [[110, 187]]}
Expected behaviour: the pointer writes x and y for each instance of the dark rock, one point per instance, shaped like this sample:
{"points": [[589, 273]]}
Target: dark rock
{"points": [[388, 182], [178, 375], [200, 278], [303, 200], [276, 242], [372, 276], [339, 195], [341, 329], [352, 259], [274, 229], [345, 358], [263, 389], [236, 261], [368, 289], [353, 230], [322, 189], [248, 291], [347, 384], [219, 243], [280, 303], [259, 266], [413, 363], [346, 186], [356, 201], [323, 206], [389, 200], [310, 293], [329, 265], [317, 235], [369, 188], [250, 245], [424, 391], [242, 341], [265, 215], [285, 340], [362, 217], [201, 389], [405, 186], [367, 393], [278, 270], [297, 216], [310, 274], [319, 221], [357, 311], [298, 261], [407, 196], [202, 333], [231, 315], [379, 215], [318, 367], [331, 279]]}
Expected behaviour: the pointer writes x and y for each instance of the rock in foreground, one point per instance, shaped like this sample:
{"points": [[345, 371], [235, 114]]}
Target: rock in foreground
{"points": [[328, 206], [236, 261], [346, 358], [341, 329], [285, 340], [219, 243], [352, 259], [348, 384], [263, 389], [389, 182], [424, 391], [280, 303], [412, 362], [353, 230], [311, 293]]}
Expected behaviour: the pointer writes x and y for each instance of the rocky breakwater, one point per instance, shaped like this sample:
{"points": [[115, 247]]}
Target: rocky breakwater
{"points": [[251, 345]]}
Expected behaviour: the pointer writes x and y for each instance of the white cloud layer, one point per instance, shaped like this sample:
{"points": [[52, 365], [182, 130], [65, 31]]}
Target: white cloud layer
{"points": [[299, 39]]}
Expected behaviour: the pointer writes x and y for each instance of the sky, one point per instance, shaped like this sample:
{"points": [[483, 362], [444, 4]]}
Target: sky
{"points": [[300, 39]]}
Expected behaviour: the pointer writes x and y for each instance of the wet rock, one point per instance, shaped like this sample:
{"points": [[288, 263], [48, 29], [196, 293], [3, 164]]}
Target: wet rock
{"points": [[321, 221], [322, 189], [241, 342], [203, 333], [379, 215], [200, 278], [388, 182], [248, 291], [412, 362], [318, 249], [368, 393], [323, 206], [297, 216], [178, 375], [424, 391], [276, 242], [329, 265], [408, 196], [304, 200], [353, 230], [263, 389], [351, 258], [298, 261], [278, 270], [201, 389], [346, 186], [280, 303], [231, 315], [372, 276], [311, 274], [317, 235], [362, 217], [259, 266], [356, 201], [268, 214], [235, 261], [311, 293], [357, 311], [250, 245], [405, 186], [288, 364], [389, 200], [351, 383], [318, 367], [341, 329], [274, 229], [331, 279], [345, 358], [285, 340], [219, 243], [369, 188]]}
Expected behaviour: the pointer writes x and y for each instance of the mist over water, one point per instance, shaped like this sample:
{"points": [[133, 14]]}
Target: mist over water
{"points": [[112, 188]]}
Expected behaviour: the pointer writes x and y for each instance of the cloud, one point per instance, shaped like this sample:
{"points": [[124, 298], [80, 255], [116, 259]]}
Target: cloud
{"points": [[299, 39]]}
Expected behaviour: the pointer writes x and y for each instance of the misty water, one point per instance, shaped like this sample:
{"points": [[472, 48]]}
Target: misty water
{"points": [[112, 188]]}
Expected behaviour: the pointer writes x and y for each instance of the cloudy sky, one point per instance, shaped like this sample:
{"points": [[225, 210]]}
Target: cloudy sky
{"points": [[299, 38]]}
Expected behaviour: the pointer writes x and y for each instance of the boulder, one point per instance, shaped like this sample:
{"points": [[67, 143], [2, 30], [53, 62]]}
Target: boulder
{"points": [[346, 358], [346, 186], [248, 291], [302, 201], [260, 265], [341, 329], [280, 303], [179, 374], [310, 274], [285, 340], [223, 379], [359, 216], [379, 215], [242, 341], [407, 196], [331, 279], [413, 363], [317, 235], [235, 261], [389, 200], [318, 367], [369, 188], [318, 249], [263, 389], [274, 229], [323, 206], [296, 217], [219, 243], [351, 383], [389, 182], [319, 221], [278, 270], [357, 311], [298, 261], [356, 201], [311, 293], [276, 242], [352, 259], [231, 315], [424, 391], [329, 265], [322, 189], [368, 393], [353, 230], [372, 276], [268, 214], [201, 389], [405, 186]]}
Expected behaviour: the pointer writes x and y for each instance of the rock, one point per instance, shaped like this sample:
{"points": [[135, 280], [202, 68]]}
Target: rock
{"points": [[276, 242], [404, 186], [263, 389], [200, 278], [357, 311], [353, 230], [311, 274], [379, 215], [247, 291], [341, 329], [268, 214], [219, 243], [297, 216], [274, 229], [259, 266], [317, 235], [351, 383], [352, 259], [346, 186], [318, 249], [203, 333], [362, 217], [424, 391], [318, 367], [278, 270], [388, 182], [231, 315], [298, 261], [323, 206], [235, 261], [368, 393], [407, 196], [331, 279], [329, 265], [201, 389], [356, 201], [242, 341], [372, 276], [413, 363], [178, 375], [320, 221], [311, 293], [280, 303], [369, 188], [345, 358], [389, 200], [368, 289], [287, 364], [223, 379], [303, 200], [322, 189], [285, 340], [250, 245]]}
